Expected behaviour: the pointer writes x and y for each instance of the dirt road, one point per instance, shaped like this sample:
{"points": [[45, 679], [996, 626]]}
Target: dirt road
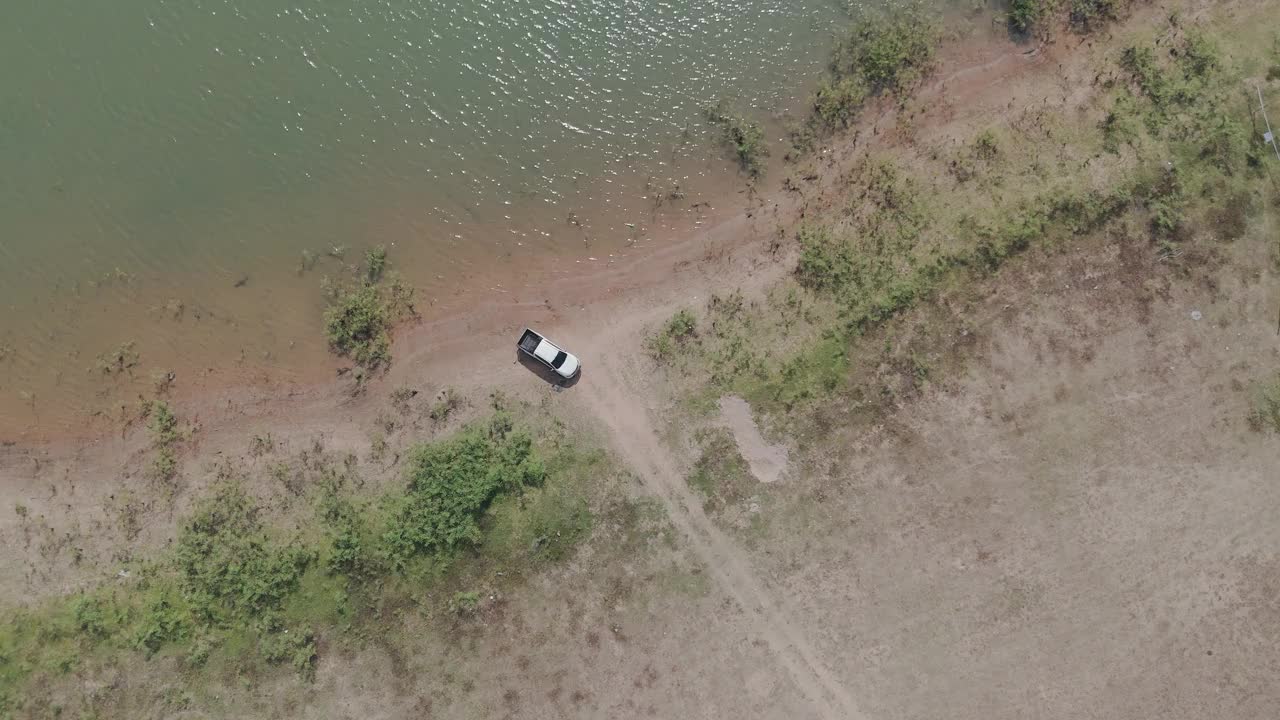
{"points": [[615, 396]]}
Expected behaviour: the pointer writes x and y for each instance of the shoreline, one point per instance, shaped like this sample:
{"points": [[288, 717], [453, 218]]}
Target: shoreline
{"points": [[505, 279], [606, 312]]}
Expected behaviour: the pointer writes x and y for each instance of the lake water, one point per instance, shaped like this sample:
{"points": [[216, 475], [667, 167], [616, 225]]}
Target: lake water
{"points": [[167, 164]]}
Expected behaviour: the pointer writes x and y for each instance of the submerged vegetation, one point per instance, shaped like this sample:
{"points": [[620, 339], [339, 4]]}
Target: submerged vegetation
{"points": [[745, 139], [238, 595]]}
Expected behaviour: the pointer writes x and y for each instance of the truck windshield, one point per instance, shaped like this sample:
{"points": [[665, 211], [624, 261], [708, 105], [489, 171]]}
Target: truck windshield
{"points": [[560, 358]]}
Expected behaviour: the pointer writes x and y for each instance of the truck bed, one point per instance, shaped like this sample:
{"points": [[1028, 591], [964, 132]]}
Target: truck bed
{"points": [[529, 341]]}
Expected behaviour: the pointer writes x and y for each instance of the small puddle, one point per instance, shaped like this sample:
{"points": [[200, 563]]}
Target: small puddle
{"points": [[767, 461]]}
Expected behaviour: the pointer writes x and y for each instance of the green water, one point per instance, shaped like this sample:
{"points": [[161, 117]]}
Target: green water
{"points": [[167, 163]]}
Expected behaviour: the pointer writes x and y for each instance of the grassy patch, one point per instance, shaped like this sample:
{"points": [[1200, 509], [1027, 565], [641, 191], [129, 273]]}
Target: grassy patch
{"points": [[122, 360], [448, 402], [677, 332], [720, 475], [235, 597], [882, 51], [1264, 411], [1173, 154]]}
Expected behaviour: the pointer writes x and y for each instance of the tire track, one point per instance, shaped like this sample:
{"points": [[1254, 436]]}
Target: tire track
{"points": [[617, 405]]}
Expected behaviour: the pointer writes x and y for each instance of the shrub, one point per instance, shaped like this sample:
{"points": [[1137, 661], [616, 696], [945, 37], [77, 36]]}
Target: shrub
{"points": [[837, 101], [1121, 126], [1140, 61], [358, 326], [360, 316], [1089, 14], [986, 146], [350, 551], [451, 483], [229, 567], [887, 51], [682, 325], [375, 263], [1025, 16], [162, 622], [1199, 55], [164, 466], [297, 648], [163, 424], [465, 603], [94, 617]]}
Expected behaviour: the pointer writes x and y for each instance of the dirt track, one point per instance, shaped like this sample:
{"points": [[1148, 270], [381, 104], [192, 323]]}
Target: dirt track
{"points": [[613, 398]]}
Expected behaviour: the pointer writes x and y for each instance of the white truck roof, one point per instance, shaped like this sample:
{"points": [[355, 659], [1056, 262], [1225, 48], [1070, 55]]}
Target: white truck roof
{"points": [[546, 351]]}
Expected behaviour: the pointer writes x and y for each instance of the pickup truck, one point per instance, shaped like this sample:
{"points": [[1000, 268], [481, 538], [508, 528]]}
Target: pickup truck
{"points": [[549, 354]]}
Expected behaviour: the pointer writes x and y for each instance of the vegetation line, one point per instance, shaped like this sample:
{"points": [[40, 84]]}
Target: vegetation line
{"points": [[238, 595]]}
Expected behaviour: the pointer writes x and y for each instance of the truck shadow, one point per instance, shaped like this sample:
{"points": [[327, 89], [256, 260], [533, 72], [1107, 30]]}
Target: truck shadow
{"points": [[545, 373]]}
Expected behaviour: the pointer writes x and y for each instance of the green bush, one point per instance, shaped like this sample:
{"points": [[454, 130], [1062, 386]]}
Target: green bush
{"points": [[836, 102], [296, 648], [358, 326], [164, 466], [96, 617], [360, 315], [1122, 125], [682, 325], [163, 424], [465, 603], [1200, 55], [230, 587], [1197, 59], [229, 567], [882, 51], [451, 483], [449, 401], [1089, 14], [163, 621], [887, 51], [1024, 16]]}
